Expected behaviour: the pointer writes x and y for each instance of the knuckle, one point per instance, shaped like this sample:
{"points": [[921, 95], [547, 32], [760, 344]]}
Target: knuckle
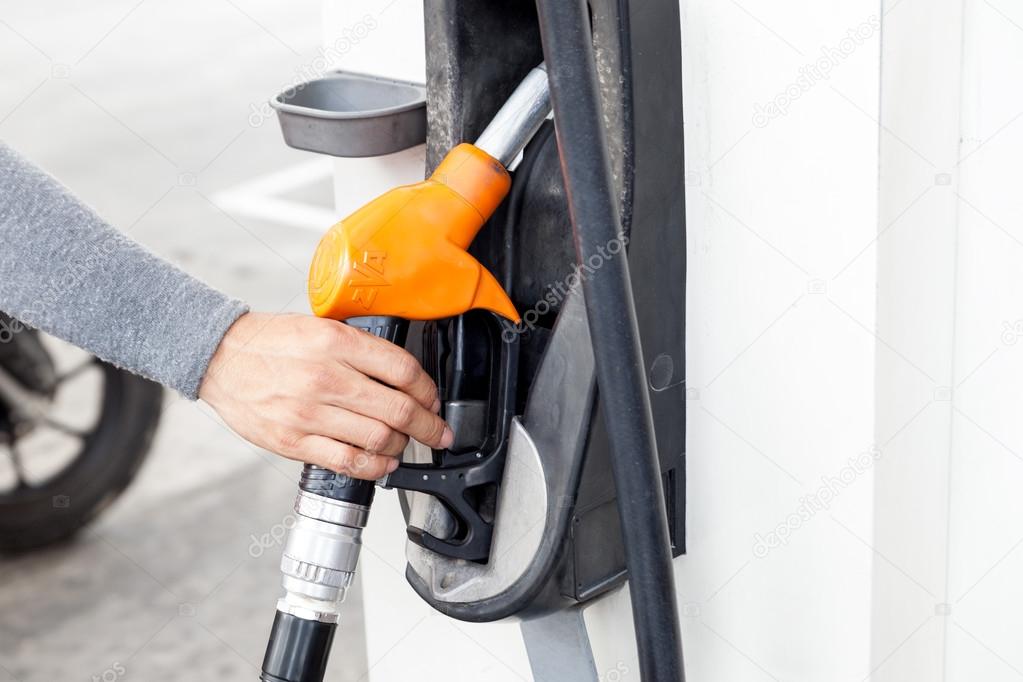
{"points": [[378, 438], [341, 460], [304, 413], [406, 369], [322, 380], [363, 464], [332, 335], [288, 442], [436, 429], [433, 395], [362, 393], [401, 411]]}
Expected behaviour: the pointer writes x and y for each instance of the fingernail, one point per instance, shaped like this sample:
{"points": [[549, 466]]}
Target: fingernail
{"points": [[436, 406], [448, 438], [392, 465]]}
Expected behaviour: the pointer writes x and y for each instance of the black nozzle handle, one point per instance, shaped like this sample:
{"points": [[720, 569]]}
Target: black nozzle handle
{"points": [[298, 649], [393, 329], [320, 481]]}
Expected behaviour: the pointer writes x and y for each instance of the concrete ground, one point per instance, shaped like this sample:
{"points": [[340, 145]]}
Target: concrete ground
{"points": [[153, 113]]}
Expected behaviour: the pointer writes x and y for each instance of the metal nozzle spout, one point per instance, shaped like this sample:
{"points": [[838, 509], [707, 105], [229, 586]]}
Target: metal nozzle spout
{"points": [[519, 119]]}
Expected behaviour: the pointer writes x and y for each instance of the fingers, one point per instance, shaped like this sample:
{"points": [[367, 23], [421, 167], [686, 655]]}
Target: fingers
{"points": [[320, 391], [343, 458], [393, 366], [409, 407], [395, 409], [343, 425]]}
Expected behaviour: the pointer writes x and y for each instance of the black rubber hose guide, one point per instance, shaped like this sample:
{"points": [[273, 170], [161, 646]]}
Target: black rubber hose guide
{"points": [[585, 164]]}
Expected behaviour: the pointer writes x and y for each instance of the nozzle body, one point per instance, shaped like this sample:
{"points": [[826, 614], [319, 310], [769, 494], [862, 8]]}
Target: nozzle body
{"points": [[404, 253]]}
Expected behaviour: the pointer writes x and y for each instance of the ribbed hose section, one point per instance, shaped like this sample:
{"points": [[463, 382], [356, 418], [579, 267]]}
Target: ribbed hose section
{"points": [[568, 52]]}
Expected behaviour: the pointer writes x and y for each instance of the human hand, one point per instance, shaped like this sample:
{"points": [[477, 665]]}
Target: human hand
{"points": [[321, 392]]}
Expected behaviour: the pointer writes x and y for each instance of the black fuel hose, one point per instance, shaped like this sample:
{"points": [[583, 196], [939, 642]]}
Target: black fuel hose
{"points": [[568, 52], [298, 650]]}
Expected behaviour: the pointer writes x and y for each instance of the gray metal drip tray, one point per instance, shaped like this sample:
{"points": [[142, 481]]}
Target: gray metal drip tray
{"points": [[353, 115]]}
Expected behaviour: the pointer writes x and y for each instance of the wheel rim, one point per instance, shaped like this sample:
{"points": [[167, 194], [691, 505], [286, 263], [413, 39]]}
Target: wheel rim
{"points": [[36, 451]]}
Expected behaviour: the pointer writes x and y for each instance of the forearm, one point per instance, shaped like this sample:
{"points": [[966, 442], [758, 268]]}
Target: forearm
{"points": [[66, 271]]}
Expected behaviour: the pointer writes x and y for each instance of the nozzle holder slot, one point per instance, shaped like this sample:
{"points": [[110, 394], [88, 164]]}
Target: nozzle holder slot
{"points": [[352, 115], [453, 476]]}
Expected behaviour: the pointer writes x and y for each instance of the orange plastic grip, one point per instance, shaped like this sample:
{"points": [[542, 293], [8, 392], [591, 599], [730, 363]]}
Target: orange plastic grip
{"points": [[404, 253]]}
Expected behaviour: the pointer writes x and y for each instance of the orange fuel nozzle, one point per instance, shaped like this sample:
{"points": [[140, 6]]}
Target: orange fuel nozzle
{"points": [[404, 253]]}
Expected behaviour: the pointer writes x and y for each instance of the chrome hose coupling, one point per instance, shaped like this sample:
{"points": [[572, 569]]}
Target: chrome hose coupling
{"points": [[320, 556]]}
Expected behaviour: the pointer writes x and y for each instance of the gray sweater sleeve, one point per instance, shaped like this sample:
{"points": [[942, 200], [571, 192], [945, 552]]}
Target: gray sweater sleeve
{"points": [[67, 272]]}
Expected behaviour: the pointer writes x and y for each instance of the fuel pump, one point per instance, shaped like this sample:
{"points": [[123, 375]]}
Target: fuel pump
{"points": [[567, 475], [404, 256]]}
